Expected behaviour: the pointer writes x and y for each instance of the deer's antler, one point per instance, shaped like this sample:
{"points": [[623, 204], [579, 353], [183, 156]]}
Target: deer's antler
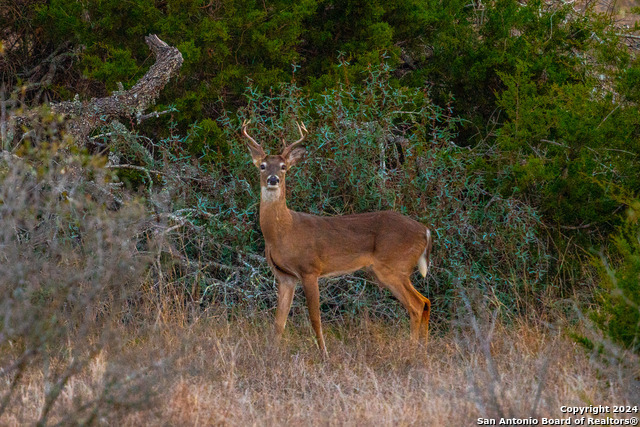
{"points": [[303, 134], [251, 140]]}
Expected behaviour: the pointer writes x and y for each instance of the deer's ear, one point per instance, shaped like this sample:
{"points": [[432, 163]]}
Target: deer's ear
{"points": [[296, 155], [257, 154]]}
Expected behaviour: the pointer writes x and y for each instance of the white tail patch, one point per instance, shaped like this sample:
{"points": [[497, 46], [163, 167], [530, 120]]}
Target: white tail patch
{"points": [[423, 265]]}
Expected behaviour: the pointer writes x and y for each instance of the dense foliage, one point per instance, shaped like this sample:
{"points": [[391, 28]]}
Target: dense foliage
{"points": [[512, 128], [619, 316]]}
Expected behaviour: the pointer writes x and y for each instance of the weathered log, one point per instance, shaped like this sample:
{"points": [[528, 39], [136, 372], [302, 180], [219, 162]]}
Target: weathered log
{"points": [[82, 117], [85, 116]]}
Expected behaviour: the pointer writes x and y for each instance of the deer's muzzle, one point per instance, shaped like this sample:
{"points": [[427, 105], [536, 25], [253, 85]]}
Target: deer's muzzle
{"points": [[273, 181]]}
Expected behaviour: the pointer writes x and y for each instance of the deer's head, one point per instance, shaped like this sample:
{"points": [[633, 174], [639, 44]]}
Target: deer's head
{"points": [[273, 168]]}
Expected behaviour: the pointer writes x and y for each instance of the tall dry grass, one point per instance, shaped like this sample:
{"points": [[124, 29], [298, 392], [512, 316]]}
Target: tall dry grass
{"points": [[224, 370]]}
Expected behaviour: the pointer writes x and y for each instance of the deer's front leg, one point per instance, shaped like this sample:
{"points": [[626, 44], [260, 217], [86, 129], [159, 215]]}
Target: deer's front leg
{"points": [[312, 294], [286, 289]]}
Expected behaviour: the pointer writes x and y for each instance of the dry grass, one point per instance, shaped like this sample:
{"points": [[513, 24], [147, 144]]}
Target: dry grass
{"points": [[214, 371]]}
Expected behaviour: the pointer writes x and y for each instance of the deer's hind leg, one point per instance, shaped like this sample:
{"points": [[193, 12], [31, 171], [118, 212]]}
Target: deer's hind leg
{"points": [[401, 287], [426, 314]]}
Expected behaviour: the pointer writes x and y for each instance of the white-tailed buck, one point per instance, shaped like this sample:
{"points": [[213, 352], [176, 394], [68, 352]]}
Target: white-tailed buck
{"points": [[304, 247]]}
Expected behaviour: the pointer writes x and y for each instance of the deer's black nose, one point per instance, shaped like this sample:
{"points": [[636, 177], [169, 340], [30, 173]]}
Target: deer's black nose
{"points": [[273, 180]]}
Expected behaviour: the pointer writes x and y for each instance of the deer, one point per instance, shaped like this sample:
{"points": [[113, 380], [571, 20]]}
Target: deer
{"points": [[301, 247]]}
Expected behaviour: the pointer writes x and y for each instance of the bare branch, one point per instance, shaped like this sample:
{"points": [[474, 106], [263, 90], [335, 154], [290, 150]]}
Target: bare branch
{"points": [[87, 115], [3, 120], [156, 114], [628, 36]]}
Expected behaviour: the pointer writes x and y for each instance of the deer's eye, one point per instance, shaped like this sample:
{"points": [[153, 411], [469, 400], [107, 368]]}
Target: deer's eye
{"points": [[263, 166], [283, 167]]}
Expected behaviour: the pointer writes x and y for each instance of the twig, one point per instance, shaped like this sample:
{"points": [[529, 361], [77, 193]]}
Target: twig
{"points": [[243, 253], [155, 171], [49, 58], [619, 151], [173, 228], [143, 117], [610, 113], [135, 167], [102, 135], [576, 227], [189, 210], [4, 144], [554, 143], [629, 36]]}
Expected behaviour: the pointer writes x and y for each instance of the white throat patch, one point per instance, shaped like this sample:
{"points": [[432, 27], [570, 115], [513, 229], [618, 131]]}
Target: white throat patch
{"points": [[270, 195]]}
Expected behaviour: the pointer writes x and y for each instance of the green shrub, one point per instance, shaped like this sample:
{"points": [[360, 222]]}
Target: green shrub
{"points": [[618, 314], [561, 143]]}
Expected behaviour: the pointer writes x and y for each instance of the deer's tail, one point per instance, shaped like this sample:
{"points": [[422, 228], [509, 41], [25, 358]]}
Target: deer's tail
{"points": [[423, 261]]}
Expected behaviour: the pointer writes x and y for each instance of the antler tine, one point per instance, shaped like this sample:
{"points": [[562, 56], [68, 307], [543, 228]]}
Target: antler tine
{"points": [[303, 135], [244, 132]]}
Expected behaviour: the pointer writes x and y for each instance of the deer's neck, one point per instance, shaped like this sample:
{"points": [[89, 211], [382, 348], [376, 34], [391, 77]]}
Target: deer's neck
{"points": [[275, 217]]}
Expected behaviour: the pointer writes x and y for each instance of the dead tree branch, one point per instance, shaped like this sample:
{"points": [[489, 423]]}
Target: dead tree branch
{"points": [[85, 116]]}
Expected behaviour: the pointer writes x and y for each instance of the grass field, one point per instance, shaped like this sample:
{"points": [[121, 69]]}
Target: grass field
{"points": [[213, 371]]}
